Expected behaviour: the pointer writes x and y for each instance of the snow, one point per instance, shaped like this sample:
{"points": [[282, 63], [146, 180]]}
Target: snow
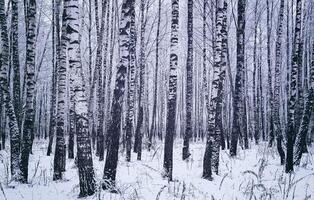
{"points": [[254, 174]]}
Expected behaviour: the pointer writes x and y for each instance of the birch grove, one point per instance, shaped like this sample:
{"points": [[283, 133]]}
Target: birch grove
{"points": [[156, 99]]}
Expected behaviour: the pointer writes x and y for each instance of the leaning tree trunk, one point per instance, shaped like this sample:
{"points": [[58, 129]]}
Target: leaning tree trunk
{"points": [[295, 65], [172, 92], [84, 150], [276, 99], [303, 131], [116, 108], [189, 83], [29, 116], [211, 156], [4, 88], [239, 87]]}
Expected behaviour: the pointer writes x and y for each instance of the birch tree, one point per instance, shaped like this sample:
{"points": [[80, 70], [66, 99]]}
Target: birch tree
{"points": [[131, 90], [110, 169], [98, 79], [295, 65], [7, 101], [15, 61], [29, 114], [140, 118], [59, 157], [84, 150], [211, 156], [53, 92], [238, 91], [302, 134], [172, 92], [153, 128], [276, 98], [189, 83], [269, 76]]}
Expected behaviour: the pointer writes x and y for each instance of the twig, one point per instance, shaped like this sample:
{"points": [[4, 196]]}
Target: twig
{"points": [[3, 192], [160, 191], [222, 180]]}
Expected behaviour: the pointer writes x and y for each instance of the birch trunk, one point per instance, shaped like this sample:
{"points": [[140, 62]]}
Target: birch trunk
{"points": [[84, 150], [211, 156], [154, 126], [116, 108], [172, 92], [29, 114], [7, 102], [131, 90], [140, 118], [239, 87], [15, 61], [59, 157], [189, 83], [295, 65]]}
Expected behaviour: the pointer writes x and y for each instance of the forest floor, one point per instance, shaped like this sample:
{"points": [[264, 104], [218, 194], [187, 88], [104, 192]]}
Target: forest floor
{"points": [[254, 174]]}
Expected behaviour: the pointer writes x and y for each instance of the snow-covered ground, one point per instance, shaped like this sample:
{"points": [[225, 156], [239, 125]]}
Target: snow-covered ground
{"points": [[253, 174]]}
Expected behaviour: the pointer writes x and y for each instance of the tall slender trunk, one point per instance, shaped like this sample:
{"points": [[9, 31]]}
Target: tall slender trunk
{"points": [[90, 50], [153, 129], [255, 92], [140, 126], [205, 71], [239, 87], [98, 83], [84, 150], [211, 157], [189, 83], [288, 55], [300, 142], [112, 45], [299, 108], [295, 65], [245, 113], [101, 101], [96, 74], [15, 62], [269, 76], [276, 97], [131, 89], [116, 108], [223, 54], [2, 132], [260, 86], [172, 92], [71, 119], [29, 114], [59, 157], [55, 62], [4, 88]]}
